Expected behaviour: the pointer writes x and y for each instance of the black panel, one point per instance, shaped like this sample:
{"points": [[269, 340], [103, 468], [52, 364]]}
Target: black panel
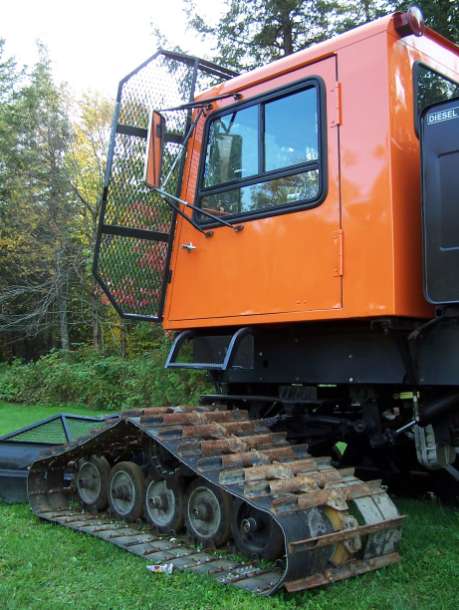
{"points": [[440, 191], [335, 353], [438, 354], [384, 352]]}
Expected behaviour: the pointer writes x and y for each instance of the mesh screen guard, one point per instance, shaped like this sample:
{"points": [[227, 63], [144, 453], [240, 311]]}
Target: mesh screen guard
{"points": [[136, 226]]}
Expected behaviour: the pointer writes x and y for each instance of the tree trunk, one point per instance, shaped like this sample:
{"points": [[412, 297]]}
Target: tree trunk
{"points": [[366, 10], [96, 328], [123, 339], [287, 33], [63, 318], [62, 301]]}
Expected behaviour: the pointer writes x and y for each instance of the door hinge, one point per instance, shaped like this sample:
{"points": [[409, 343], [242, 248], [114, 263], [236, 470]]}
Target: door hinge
{"points": [[335, 105], [338, 243]]}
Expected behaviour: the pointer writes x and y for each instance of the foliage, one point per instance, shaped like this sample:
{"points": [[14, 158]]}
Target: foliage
{"points": [[37, 207], [103, 382], [441, 15], [52, 153], [251, 34]]}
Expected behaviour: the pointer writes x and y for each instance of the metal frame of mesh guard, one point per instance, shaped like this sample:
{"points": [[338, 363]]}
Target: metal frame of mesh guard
{"points": [[136, 226]]}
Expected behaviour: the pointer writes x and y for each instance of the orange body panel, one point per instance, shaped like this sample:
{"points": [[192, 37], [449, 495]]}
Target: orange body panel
{"points": [[358, 253]]}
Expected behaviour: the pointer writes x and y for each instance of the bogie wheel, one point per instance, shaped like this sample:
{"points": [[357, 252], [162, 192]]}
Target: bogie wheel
{"points": [[255, 533], [165, 504], [126, 491], [91, 482], [207, 514]]}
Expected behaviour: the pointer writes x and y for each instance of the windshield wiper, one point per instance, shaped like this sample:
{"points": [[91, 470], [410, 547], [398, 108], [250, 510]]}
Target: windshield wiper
{"points": [[172, 200]]}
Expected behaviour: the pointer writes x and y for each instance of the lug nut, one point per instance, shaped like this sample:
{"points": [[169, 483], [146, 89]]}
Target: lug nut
{"points": [[202, 511], [249, 525]]}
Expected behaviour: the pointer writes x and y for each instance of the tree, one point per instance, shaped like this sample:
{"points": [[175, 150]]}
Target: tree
{"points": [[251, 34], [86, 164], [38, 209], [352, 13], [441, 15]]}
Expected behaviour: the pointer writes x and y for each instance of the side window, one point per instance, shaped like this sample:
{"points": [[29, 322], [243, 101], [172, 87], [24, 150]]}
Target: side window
{"points": [[291, 130], [232, 149], [431, 87], [264, 157]]}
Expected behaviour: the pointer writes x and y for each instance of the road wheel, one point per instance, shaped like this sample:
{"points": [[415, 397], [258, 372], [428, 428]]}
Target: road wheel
{"points": [[207, 514], [126, 491], [91, 483], [165, 503]]}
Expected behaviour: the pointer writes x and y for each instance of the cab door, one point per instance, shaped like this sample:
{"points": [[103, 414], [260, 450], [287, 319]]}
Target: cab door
{"points": [[269, 164]]}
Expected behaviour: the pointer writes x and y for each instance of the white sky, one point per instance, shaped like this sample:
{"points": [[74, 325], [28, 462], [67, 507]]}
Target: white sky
{"points": [[94, 43]]}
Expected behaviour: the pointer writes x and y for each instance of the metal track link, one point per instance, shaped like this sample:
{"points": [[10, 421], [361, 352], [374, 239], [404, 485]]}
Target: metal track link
{"points": [[334, 525]]}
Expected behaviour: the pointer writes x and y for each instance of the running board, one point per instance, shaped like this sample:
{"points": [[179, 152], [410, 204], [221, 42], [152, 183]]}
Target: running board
{"points": [[228, 349]]}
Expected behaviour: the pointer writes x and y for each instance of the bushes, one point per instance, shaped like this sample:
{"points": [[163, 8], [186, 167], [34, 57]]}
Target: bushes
{"points": [[102, 382]]}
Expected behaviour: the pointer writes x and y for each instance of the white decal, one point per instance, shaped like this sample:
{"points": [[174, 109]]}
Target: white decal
{"points": [[443, 115]]}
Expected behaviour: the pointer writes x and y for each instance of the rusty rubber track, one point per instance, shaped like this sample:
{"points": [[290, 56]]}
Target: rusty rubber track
{"points": [[334, 525]]}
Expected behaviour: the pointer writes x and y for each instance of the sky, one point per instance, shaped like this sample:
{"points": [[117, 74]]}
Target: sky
{"points": [[94, 43]]}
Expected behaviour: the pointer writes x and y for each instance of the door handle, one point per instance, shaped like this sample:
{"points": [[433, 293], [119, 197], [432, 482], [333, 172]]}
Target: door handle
{"points": [[189, 247]]}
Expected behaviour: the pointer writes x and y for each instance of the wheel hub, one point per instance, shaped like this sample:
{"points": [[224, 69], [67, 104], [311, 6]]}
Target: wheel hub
{"points": [[88, 482], [250, 524], [255, 532], [160, 503], [122, 492], [204, 513]]}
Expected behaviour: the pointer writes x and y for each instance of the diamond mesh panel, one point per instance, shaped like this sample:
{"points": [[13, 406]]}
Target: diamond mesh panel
{"points": [[81, 427], [52, 432], [130, 267], [136, 272]]}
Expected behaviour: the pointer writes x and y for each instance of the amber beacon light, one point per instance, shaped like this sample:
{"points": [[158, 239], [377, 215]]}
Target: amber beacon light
{"points": [[411, 22]]}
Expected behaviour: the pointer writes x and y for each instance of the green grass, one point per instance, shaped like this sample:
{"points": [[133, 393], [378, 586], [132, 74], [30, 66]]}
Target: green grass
{"points": [[13, 416], [43, 566]]}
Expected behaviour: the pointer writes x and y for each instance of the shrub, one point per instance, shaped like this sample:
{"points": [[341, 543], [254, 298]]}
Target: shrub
{"points": [[102, 382]]}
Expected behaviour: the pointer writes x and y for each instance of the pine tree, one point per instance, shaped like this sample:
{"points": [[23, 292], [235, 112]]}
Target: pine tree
{"points": [[251, 34]]}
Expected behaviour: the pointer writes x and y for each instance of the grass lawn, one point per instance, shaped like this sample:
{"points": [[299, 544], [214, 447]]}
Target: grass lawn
{"points": [[17, 416], [43, 566]]}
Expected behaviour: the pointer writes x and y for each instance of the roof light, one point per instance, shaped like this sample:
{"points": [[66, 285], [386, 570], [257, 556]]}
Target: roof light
{"points": [[411, 22]]}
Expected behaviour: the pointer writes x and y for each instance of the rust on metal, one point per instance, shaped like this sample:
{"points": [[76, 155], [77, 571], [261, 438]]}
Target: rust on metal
{"points": [[246, 458], [269, 471], [353, 568], [345, 534], [194, 417], [233, 444], [298, 483], [219, 429]]}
